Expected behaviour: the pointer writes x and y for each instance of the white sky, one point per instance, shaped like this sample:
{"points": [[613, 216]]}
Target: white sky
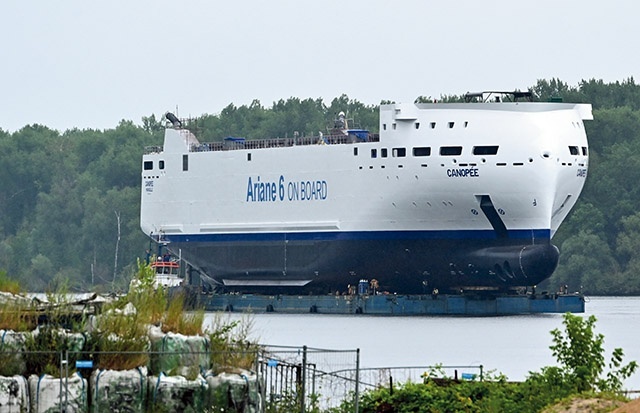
{"points": [[89, 64]]}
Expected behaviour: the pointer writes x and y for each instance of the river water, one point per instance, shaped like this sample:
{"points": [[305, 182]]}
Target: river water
{"points": [[511, 345]]}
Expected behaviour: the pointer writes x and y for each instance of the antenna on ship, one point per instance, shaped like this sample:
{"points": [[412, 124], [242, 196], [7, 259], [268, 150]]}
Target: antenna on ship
{"points": [[173, 119]]}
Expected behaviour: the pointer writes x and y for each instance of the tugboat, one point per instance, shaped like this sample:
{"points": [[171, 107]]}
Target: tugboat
{"points": [[167, 273]]}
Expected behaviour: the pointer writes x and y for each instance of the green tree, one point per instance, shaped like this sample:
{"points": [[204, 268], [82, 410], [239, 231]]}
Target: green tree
{"points": [[584, 258], [580, 354], [27, 157], [60, 191]]}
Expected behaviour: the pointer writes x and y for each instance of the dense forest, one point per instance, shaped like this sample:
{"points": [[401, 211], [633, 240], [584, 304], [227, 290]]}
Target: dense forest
{"points": [[70, 200]]}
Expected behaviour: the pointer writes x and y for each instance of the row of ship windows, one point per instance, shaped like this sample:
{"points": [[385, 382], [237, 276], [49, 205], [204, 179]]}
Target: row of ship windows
{"points": [[473, 164], [432, 125], [395, 153], [574, 150], [426, 151], [449, 151]]}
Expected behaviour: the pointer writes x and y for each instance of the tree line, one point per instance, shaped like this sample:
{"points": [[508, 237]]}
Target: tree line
{"points": [[70, 200]]}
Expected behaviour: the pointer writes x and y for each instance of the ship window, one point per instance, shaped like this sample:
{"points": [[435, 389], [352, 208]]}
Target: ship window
{"points": [[433, 125], [393, 126], [355, 151], [148, 165], [573, 150], [374, 153], [383, 152], [249, 156], [466, 123], [425, 151], [417, 125], [161, 164], [384, 126], [451, 124], [185, 162], [485, 150], [584, 151], [399, 152], [450, 150]]}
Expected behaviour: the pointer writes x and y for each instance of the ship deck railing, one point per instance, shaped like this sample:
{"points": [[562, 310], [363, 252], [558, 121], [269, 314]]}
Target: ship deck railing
{"points": [[239, 144]]}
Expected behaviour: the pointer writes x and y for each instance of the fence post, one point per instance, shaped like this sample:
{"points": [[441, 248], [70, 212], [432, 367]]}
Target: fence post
{"points": [[304, 379], [60, 392], [261, 376], [356, 402], [66, 379]]}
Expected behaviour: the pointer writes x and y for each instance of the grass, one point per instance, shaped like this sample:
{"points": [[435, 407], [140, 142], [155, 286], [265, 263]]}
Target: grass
{"points": [[177, 320], [17, 317], [7, 284], [122, 337], [15, 314], [230, 345], [150, 302], [120, 340], [45, 349]]}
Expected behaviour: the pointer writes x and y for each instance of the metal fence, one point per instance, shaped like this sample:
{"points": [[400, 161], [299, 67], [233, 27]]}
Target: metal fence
{"points": [[297, 379], [287, 379], [305, 377]]}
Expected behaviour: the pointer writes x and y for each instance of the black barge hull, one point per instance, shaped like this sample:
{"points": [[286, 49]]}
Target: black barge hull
{"points": [[407, 263]]}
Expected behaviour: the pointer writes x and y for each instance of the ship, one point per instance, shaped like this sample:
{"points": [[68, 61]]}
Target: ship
{"points": [[446, 197]]}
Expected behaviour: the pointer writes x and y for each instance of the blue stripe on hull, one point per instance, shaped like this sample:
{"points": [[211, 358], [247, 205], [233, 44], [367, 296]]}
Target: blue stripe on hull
{"points": [[535, 234]]}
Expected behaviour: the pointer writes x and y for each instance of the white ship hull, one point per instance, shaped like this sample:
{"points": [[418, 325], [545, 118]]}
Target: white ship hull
{"points": [[323, 216]]}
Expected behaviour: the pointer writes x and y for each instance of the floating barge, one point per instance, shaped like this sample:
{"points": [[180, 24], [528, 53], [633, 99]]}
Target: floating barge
{"points": [[402, 305]]}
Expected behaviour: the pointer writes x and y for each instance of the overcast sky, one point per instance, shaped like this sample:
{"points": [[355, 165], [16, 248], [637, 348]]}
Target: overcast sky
{"points": [[90, 64]]}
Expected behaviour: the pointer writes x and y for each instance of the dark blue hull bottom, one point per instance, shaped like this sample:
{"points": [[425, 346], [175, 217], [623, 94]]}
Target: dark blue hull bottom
{"points": [[393, 304], [405, 263]]}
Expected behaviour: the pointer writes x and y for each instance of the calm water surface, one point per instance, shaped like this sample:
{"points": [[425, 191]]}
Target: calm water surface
{"points": [[512, 345]]}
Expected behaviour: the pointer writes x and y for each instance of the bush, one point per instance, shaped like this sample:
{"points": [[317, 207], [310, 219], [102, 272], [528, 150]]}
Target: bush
{"points": [[7, 284], [46, 346], [17, 317], [230, 344], [150, 303], [177, 320], [580, 355]]}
